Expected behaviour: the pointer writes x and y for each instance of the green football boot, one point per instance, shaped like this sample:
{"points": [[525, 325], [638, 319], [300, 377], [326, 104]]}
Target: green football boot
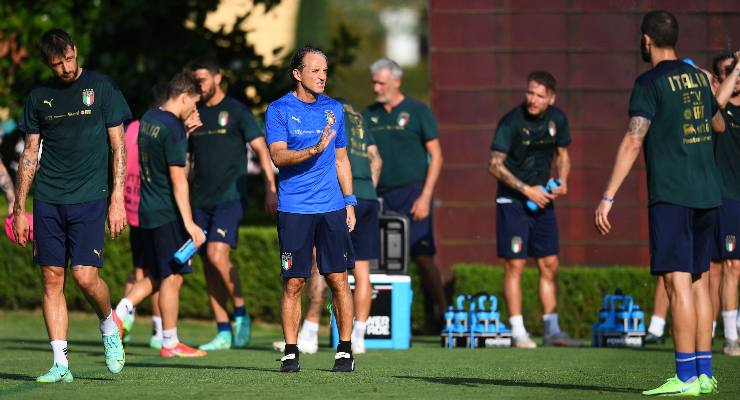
{"points": [[708, 385], [57, 373], [128, 324], [155, 343], [675, 387], [222, 341], [243, 331], [115, 357]]}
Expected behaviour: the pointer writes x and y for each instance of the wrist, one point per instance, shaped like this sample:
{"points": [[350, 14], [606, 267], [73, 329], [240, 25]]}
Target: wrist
{"points": [[608, 199], [350, 200]]}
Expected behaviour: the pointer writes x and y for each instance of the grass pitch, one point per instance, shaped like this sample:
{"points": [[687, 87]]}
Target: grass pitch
{"points": [[426, 371]]}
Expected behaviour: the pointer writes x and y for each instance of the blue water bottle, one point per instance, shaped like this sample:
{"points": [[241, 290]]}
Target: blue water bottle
{"points": [[552, 184], [186, 251]]}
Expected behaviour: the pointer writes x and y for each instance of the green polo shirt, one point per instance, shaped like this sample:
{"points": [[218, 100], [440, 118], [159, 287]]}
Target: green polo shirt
{"points": [[162, 143], [679, 149], [219, 152], [72, 120], [401, 135], [727, 153], [359, 139], [530, 144]]}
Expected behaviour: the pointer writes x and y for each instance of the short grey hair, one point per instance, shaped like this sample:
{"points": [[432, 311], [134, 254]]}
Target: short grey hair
{"points": [[390, 65]]}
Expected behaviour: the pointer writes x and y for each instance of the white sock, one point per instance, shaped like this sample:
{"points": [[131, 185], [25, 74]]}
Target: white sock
{"points": [[157, 327], [358, 330], [729, 319], [552, 326], [169, 338], [517, 326], [125, 307], [714, 327], [59, 347], [657, 325], [108, 326], [309, 330]]}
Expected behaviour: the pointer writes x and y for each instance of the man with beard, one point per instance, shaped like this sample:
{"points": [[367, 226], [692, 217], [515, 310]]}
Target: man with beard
{"points": [[79, 114], [673, 111], [727, 152], [218, 151], [526, 140], [405, 132]]}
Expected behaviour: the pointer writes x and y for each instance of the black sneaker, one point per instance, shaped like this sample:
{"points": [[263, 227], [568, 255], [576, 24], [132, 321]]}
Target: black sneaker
{"points": [[343, 362], [653, 339], [289, 363]]}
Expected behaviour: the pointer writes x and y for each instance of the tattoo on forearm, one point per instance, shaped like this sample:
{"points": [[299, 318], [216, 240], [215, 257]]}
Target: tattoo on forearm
{"points": [[6, 184], [119, 167], [504, 175], [26, 171], [638, 127]]}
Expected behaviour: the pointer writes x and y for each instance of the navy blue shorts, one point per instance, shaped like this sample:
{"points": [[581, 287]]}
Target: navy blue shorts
{"points": [[400, 200], [681, 238], [366, 236], [521, 233], [69, 234], [221, 221], [137, 246], [727, 231], [300, 233], [159, 247]]}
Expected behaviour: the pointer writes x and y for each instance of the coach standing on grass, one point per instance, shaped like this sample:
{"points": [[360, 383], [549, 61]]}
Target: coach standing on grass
{"points": [[305, 133], [79, 114], [672, 110], [405, 132]]}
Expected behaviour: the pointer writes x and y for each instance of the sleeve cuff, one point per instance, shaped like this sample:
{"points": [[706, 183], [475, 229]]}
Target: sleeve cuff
{"points": [[643, 114], [496, 147]]}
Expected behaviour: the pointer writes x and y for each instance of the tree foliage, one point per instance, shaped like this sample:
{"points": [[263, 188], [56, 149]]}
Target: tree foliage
{"points": [[141, 43]]}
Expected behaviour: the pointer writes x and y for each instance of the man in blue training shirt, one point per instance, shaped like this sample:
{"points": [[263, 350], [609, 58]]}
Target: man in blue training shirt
{"points": [[305, 133]]}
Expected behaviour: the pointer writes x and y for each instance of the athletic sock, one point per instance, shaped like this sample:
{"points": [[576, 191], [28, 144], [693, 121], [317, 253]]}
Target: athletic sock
{"points": [[738, 324], [124, 308], [714, 327], [157, 327], [292, 349], [240, 311], [704, 363], [309, 330], [108, 326], [517, 326], [344, 346], [59, 347], [169, 338], [552, 326], [686, 366], [358, 330], [223, 327], [657, 326], [728, 320]]}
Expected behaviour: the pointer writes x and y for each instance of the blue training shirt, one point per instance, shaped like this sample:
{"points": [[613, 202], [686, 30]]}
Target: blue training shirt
{"points": [[309, 187]]}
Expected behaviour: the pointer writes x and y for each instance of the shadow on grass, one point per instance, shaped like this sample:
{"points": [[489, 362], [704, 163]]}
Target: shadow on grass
{"points": [[27, 378], [198, 366], [474, 382]]}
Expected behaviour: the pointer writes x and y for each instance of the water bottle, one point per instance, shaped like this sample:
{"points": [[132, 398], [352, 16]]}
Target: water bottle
{"points": [[552, 184], [186, 251]]}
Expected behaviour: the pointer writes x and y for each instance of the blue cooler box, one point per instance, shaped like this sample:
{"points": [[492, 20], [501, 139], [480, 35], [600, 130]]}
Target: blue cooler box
{"points": [[389, 324]]}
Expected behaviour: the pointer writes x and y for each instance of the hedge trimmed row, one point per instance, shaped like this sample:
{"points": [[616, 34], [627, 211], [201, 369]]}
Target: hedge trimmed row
{"points": [[258, 260]]}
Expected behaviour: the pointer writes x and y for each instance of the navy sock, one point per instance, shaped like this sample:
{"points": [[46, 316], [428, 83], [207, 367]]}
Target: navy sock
{"points": [[704, 363], [240, 311], [223, 326], [685, 366], [344, 347]]}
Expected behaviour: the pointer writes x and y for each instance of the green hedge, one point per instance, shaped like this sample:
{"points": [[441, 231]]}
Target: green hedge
{"points": [[257, 258]]}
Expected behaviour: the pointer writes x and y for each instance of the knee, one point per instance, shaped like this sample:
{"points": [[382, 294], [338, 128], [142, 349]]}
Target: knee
{"points": [[292, 287], [172, 280], [514, 267], [85, 281], [732, 269], [217, 258], [338, 282], [53, 281]]}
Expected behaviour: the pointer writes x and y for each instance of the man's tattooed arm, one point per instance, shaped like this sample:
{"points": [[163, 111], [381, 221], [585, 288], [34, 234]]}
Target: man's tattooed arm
{"points": [[26, 171]]}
